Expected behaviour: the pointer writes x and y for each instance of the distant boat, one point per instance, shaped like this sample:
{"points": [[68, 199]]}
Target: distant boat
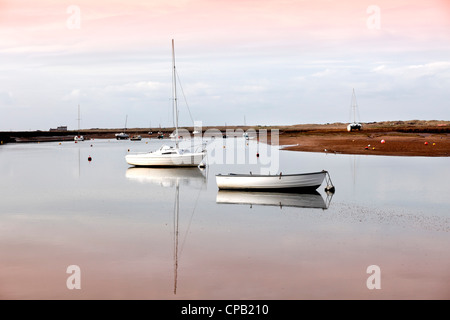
{"points": [[136, 138], [123, 135], [79, 137], [354, 125], [279, 182], [169, 156]]}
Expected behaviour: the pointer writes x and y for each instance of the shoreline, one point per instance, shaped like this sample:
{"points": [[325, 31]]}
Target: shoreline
{"points": [[400, 138]]}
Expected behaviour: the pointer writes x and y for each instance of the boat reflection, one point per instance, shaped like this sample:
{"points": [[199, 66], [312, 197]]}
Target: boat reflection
{"points": [[173, 178], [168, 177], [311, 199]]}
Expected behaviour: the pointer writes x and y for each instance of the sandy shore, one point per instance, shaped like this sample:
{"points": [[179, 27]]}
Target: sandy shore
{"points": [[433, 145], [400, 138]]}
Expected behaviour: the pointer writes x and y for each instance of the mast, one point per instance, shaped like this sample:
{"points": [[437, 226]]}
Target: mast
{"points": [[175, 107], [176, 220], [354, 104], [78, 119]]}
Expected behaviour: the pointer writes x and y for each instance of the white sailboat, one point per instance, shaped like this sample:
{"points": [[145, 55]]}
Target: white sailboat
{"points": [[123, 135], [169, 156], [354, 125], [78, 137], [245, 134]]}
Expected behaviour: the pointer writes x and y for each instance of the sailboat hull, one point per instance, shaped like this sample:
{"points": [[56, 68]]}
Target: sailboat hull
{"points": [[153, 159]]}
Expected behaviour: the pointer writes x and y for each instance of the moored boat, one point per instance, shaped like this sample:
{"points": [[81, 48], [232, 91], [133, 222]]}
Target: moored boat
{"points": [[136, 138], [78, 137], [279, 182], [166, 156], [122, 136], [169, 156]]}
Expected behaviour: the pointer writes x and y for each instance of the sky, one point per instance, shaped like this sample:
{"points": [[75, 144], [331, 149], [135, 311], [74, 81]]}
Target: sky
{"points": [[253, 62]]}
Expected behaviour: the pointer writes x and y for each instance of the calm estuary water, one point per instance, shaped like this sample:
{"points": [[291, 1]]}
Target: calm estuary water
{"points": [[142, 233]]}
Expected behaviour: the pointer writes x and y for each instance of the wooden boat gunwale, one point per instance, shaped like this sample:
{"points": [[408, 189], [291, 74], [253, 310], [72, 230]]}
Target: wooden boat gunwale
{"points": [[269, 175]]}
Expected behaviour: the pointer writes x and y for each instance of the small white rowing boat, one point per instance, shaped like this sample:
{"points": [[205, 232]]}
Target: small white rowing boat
{"points": [[279, 182]]}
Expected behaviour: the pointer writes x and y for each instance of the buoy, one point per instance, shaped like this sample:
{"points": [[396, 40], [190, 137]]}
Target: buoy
{"points": [[89, 158], [382, 141]]}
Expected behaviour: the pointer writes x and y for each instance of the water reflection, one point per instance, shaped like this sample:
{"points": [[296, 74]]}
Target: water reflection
{"points": [[168, 177], [282, 199], [176, 217], [165, 243], [172, 178]]}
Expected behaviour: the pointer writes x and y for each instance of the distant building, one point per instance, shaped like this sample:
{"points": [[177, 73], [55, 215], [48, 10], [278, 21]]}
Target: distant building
{"points": [[60, 128]]}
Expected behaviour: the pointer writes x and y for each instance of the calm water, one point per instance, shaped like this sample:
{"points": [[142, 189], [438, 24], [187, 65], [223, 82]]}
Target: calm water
{"points": [[169, 234]]}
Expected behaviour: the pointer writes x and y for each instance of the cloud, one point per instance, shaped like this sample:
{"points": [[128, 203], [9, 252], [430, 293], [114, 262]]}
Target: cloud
{"points": [[324, 73], [6, 98], [438, 70], [141, 87]]}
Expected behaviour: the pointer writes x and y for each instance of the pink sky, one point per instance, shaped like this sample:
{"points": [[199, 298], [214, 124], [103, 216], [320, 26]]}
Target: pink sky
{"points": [[113, 24], [232, 54]]}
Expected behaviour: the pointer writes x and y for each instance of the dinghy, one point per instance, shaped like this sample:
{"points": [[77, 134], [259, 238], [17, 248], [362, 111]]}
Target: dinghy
{"points": [[280, 182]]}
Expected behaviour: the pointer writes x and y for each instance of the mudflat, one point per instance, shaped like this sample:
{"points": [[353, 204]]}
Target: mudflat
{"points": [[399, 138]]}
